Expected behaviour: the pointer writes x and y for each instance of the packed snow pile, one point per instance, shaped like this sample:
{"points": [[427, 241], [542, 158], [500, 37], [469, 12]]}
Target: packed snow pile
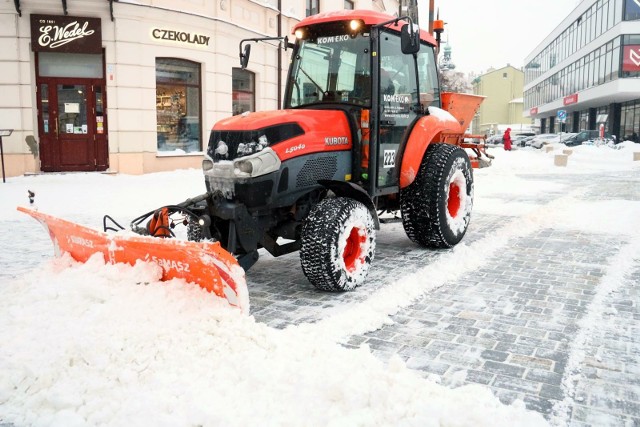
{"points": [[96, 344]]}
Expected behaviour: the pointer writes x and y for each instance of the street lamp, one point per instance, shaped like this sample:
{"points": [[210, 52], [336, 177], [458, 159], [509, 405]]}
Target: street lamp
{"points": [[3, 132]]}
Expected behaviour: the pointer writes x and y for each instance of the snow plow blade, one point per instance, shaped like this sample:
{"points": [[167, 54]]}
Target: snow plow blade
{"points": [[203, 263]]}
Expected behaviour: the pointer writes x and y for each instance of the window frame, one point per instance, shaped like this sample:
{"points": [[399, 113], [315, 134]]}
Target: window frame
{"points": [[186, 85], [234, 77]]}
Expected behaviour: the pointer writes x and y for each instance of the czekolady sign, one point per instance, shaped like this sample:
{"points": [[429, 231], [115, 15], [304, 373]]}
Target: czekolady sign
{"points": [[67, 34], [182, 37]]}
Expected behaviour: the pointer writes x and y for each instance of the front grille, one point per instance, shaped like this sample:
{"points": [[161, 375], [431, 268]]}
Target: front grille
{"points": [[274, 134], [317, 169]]}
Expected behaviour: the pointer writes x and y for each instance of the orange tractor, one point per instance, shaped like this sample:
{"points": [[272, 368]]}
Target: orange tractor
{"points": [[364, 130]]}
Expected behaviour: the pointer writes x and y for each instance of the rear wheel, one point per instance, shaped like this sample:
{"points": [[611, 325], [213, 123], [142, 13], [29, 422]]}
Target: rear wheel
{"points": [[436, 207], [338, 244]]}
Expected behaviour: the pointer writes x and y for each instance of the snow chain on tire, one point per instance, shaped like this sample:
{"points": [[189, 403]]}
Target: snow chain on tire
{"points": [[194, 231], [338, 244], [436, 207]]}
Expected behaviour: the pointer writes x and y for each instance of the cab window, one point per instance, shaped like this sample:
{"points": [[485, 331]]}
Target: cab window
{"points": [[428, 75]]}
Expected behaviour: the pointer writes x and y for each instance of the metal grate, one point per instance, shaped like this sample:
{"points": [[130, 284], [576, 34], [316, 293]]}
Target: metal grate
{"points": [[317, 169]]}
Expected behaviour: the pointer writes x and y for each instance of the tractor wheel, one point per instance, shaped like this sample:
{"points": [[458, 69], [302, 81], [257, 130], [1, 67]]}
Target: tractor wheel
{"points": [[338, 243], [194, 231], [436, 207]]}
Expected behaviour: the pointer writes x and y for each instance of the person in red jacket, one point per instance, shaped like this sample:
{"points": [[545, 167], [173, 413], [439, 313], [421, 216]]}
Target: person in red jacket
{"points": [[506, 138]]}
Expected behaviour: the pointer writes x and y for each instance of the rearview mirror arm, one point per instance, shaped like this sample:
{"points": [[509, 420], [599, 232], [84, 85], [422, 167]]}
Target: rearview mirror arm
{"points": [[284, 39], [394, 21]]}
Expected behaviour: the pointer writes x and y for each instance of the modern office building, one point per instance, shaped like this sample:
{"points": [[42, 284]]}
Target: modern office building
{"points": [[503, 104], [134, 86], [588, 68]]}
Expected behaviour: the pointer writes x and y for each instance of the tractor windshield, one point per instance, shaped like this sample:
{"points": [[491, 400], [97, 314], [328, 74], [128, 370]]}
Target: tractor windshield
{"points": [[331, 68]]}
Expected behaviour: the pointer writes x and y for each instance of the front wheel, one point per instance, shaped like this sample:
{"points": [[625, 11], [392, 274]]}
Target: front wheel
{"points": [[338, 244], [436, 207]]}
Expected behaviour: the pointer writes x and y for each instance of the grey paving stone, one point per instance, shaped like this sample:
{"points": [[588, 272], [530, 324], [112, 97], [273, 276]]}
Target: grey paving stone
{"points": [[509, 324], [504, 369], [496, 356]]}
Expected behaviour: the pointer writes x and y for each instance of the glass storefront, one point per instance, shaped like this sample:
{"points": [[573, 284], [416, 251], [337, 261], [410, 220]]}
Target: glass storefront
{"points": [[598, 67], [630, 121], [584, 120], [178, 103], [602, 118], [82, 65], [595, 21], [72, 113]]}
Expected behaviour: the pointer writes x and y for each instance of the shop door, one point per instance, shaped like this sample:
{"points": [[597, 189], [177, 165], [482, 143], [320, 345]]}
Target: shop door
{"points": [[72, 125]]}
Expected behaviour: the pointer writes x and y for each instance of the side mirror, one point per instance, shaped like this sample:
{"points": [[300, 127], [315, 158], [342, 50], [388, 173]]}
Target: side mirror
{"points": [[410, 39], [244, 57]]}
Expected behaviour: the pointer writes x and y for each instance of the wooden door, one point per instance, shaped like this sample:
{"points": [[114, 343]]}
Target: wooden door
{"points": [[72, 125]]}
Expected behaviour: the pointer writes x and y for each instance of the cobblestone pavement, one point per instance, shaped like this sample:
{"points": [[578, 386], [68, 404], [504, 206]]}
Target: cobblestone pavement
{"points": [[522, 323]]}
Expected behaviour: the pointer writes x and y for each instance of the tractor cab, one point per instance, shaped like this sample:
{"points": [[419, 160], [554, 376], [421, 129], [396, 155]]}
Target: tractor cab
{"points": [[380, 73]]}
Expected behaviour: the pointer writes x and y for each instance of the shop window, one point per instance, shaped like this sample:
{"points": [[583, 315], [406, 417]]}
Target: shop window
{"points": [[348, 5], [243, 97], [178, 105], [630, 121]]}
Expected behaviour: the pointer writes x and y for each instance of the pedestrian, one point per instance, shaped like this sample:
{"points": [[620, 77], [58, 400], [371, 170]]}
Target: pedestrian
{"points": [[506, 139]]}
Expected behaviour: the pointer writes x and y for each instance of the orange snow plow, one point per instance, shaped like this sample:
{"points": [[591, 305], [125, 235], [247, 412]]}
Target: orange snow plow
{"points": [[203, 263], [463, 107]]}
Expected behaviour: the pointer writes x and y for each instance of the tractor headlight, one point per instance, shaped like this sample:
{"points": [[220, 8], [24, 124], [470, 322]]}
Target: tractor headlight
{"points": [[355, 25], [261, 163], [207, 164], [244, 166]]}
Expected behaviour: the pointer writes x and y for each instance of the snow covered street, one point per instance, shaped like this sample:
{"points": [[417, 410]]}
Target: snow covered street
{"points": [[533, 319]]}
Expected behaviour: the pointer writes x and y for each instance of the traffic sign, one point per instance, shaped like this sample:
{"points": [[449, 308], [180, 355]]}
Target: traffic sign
{"points": [[562, 115]]}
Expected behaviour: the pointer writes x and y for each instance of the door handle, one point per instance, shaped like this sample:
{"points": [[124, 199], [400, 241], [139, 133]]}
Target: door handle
{"points": [[56, 128]]}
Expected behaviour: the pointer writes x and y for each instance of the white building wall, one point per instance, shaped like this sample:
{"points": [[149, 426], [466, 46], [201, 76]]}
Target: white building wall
{"points": [[130, 55]]}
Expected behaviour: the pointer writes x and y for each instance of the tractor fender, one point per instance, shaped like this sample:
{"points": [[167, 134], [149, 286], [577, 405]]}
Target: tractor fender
{"points": [[352, 191], [426, 130]]}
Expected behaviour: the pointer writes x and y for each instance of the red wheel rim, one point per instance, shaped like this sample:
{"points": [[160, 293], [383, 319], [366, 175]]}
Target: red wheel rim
{"points": [[353, 248], [453, 204]]}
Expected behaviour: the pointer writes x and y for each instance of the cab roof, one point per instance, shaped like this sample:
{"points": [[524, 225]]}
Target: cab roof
{"points": [[369, 17]]}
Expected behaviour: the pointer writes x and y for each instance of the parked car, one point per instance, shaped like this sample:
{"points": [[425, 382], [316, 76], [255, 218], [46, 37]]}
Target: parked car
{"points": [[547, 138], [526, 141], [494, 140], [516, 138], [586, 136]]}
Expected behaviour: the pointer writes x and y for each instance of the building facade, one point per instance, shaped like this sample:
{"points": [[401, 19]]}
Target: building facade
{"points": [[134, 86], [588, 69], [503, 105]]}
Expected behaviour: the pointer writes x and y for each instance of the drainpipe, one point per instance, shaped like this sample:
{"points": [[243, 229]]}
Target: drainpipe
{"points": [[279, 56], [431, 7]]}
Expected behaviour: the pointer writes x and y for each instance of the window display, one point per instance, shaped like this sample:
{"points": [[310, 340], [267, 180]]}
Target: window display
{"points": [[178, 105]]}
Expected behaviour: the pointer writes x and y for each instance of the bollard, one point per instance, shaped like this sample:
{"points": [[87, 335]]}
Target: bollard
{"points": [[3, 132], [567, 152], [548, 149], [636, 156], [560, 159]]}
